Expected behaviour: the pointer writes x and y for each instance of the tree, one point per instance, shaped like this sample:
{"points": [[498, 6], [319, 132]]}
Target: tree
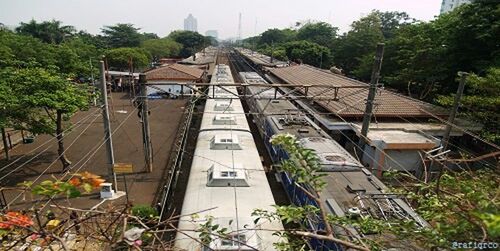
{"points": [[464, 209], [392, 21], [8, 106], [361, 40], [309, 53], [50, 99], [52, 32], [480, 102], [121, 58], [303, 167], [320, 33], [277, 36], [97, 41], [164, 47], [122, 35], [415, 61], [192, 42]]}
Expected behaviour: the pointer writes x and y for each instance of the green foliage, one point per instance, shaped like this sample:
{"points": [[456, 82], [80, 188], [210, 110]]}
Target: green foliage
{"points": [[192, 42], [37, 89], [144, 211], [120, 58], [277, 36], [71, 56], [309, 53], [159, 48], [480, 102], [320, 33], [302, 163], [122, 35], [465, 209], [52, 32], [209, 230], [391, 21], [361, 40]]}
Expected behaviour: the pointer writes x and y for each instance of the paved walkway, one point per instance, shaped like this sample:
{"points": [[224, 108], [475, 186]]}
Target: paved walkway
{"points": [[82, 141]]}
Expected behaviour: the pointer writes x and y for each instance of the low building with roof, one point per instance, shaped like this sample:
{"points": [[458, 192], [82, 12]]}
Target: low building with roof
{"points": [[401, 128], [204, 59], [175, 74]]}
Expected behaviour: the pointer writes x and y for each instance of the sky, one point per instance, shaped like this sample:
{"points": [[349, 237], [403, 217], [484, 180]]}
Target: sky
{"points": [[163, 16]]}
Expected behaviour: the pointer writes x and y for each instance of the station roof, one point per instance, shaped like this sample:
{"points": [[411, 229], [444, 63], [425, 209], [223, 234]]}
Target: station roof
{"points": [[174, 72], [351, 101], [260, 59], [207, 56]]}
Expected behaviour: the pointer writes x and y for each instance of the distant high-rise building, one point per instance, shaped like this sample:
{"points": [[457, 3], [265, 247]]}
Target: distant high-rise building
{"points": [[239, 27], [212, 33], [449, 5], [190, 23]]}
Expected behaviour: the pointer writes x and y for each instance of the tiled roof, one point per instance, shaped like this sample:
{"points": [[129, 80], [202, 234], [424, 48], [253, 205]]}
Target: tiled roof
{"points": [[174, 72], [351, 101]]}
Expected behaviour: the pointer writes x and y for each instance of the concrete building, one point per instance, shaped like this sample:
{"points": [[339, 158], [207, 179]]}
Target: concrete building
{"points": [[212, 33], [190, 23], [449, 5]]}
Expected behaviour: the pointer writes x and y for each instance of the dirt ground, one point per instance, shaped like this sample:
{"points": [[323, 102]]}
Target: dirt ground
{"points": [[142, 186]]}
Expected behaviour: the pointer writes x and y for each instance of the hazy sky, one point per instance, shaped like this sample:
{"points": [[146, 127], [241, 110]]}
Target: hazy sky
{"points": [[163, 16]]}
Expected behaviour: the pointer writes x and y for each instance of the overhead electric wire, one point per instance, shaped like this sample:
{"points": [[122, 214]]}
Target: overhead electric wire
{"points": [[55, 160], [74, 126], [90, 157]]}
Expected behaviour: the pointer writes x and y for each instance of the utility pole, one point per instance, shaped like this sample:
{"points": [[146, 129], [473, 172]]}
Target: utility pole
{"points": [[447, 130], [146, 133], [93, 81], [107, 125], [377, 64], [239, 28], [456, 104], [272, 50], [5, 144]]}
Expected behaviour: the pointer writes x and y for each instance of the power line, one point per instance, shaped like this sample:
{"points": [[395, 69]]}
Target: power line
{"points": [[90, 157], [74, 126], [55, 160]]}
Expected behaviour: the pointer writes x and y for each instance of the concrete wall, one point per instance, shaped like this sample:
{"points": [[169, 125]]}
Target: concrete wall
{"points": [[401, 160]]}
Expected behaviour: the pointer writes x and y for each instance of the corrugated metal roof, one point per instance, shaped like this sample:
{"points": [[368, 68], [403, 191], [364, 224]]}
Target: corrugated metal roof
{"points": [[260, 59], [351, 101], [174, 72]]}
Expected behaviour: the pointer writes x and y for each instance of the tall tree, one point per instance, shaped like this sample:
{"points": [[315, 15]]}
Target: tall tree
{"points": [[361, 40], [320, 33], [120, 58], [51, 100], [48, 31], [8, 105], [391, 21], [481, 102], [122, 35], [164, 47], [277, 36], [191, 41], [309, 53]]}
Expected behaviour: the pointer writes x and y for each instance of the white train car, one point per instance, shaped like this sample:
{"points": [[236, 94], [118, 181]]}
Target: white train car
{"points": [[226, 177]]}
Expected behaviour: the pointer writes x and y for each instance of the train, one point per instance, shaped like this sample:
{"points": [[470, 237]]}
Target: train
{"points": [[351, 189], [227, 180]]}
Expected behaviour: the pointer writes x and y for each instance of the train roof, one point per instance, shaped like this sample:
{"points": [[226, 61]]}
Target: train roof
{"points": [[227, 175], [350, 188]]}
